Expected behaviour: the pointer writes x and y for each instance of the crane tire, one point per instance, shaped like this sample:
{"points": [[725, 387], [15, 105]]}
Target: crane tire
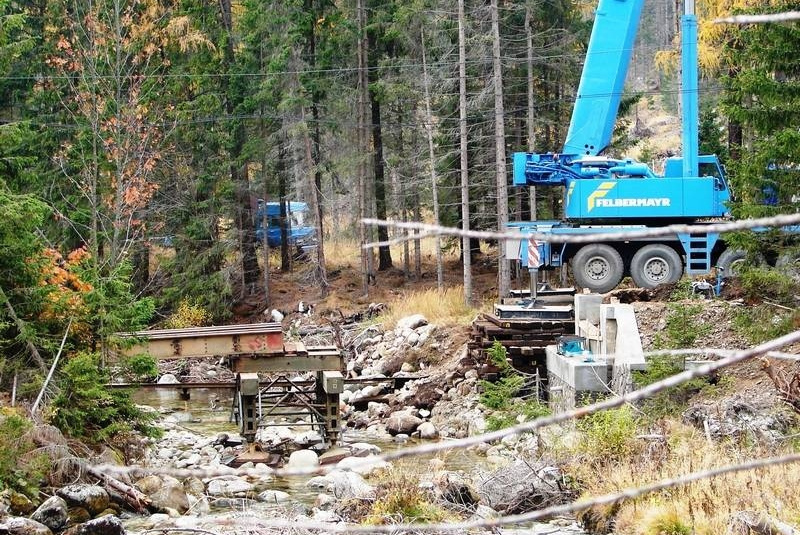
{"points": [[598, 267], [731, 261], [656, 264]]}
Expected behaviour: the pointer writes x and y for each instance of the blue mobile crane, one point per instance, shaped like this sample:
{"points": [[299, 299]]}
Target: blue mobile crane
{"points": [[616, 195]]}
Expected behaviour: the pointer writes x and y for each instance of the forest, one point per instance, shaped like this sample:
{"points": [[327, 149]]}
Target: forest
{"points": [[128, 126]]}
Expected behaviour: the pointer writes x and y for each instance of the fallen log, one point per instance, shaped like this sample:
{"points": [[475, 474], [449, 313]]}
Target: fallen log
{"points": [[51, 440], [138, 501]]}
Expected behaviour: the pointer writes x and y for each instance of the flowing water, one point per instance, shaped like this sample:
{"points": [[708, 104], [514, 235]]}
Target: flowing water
{"points": [[211, 415]]}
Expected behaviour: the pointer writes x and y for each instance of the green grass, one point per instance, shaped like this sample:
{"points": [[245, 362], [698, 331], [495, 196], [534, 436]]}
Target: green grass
{"points": [[683, 328], [765, 322]]}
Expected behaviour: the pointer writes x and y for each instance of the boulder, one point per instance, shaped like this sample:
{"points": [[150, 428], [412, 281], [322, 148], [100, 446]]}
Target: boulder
{"points": [[52, 513], [93, 498], [345, 485], [168, 379], [363, 465], [228, 486], [194, 486], [425, 333], [410, 322], [77, 515], [166, 492], [17, 525], [318, 482], [105, 525], [303, 459], [521, 487], [456, 490], [402, 422], [427, 431], [18, 503]]}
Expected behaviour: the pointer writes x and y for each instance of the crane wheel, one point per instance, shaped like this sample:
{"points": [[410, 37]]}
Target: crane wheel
{"points": [[656, 264], [731, 262], [598, 267]]}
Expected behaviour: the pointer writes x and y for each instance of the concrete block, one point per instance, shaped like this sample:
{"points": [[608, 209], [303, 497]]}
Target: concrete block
{"points": [[620, 334], [587, 307], [579, 375]]}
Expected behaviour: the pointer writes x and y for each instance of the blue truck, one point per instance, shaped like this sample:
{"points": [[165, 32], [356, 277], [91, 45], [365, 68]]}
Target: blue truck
{"points": [[298, 233], [604, 194]]}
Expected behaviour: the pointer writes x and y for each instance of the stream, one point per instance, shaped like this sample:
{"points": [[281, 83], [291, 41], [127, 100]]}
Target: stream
{"points": [[210, 411]]}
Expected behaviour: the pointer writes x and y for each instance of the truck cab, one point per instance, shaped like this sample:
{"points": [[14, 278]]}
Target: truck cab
{"points": [[299, 233]]}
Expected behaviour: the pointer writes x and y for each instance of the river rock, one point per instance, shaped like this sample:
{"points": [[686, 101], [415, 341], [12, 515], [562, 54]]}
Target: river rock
{"points": [[303, 459], [198, 505], [325, 516], [521, 487], [93, 498], [410, 322], [168, 379], [456, 490], [191, 460], [402, 422], [736, 417], [273, 496], [346, 485], [18, 503], [52, 513], [425, 333], [318, 482], [17, 525], [105, 525], [325, 502], [362, 449], [228, 486], [166, 492], [77, 515], [427, 430], [363, 465], [194, 486]]}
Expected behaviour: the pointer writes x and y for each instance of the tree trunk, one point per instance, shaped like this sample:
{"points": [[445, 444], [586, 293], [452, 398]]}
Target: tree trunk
{"points": [[531, 102], [379, 183], [244, 214], [466, 252], [284, 221], [503, 271], [312, 139], [366, 256], [417, 243], [432, 164]]}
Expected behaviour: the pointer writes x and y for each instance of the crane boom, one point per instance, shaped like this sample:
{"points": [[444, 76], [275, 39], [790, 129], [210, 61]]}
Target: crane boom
{"points": [[600, 91]]}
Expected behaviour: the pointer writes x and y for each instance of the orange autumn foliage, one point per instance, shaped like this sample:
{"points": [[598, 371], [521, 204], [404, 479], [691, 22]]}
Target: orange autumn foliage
{"points": [[66, 290]]}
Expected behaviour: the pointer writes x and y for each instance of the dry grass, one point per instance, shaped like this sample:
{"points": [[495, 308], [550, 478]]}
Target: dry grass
{"points": [[343, 252], [705, 506], [443, 308]]}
